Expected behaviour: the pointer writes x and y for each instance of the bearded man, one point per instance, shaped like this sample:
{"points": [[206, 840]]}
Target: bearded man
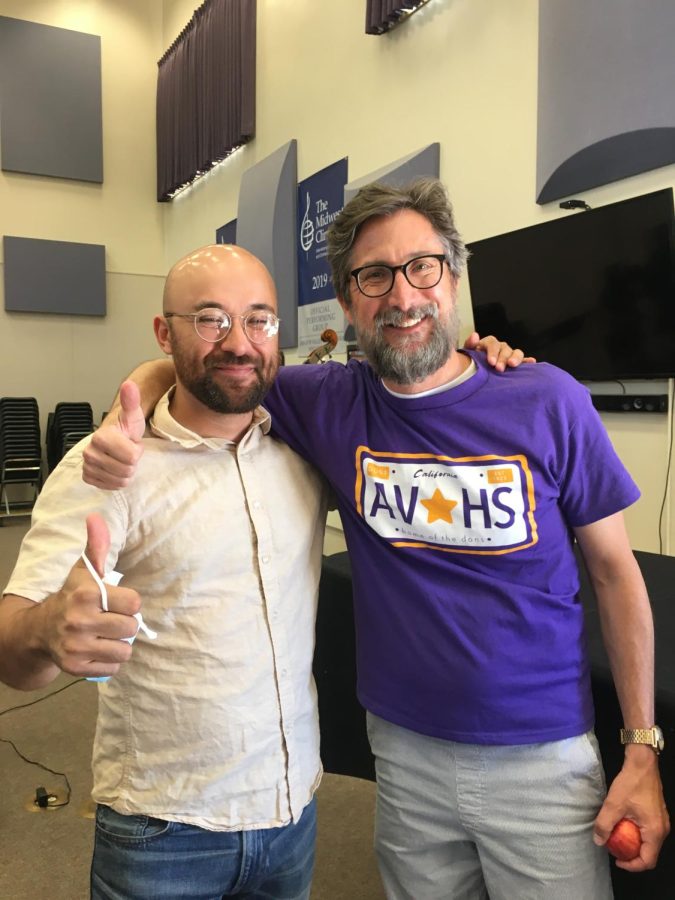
{"points": [[461, 492], [206, 756]]}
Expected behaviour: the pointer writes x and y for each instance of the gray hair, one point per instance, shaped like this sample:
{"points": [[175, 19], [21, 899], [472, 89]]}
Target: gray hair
{"points": [[426, 196]]}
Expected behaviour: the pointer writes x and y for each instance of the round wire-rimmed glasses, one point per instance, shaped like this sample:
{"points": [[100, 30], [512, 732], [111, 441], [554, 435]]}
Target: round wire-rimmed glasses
{"points": [[422, 272], [213, 325]]}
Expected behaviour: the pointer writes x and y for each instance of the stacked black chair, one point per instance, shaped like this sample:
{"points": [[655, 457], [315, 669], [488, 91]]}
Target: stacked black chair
{"points": [[20, 451], [66, 426]]}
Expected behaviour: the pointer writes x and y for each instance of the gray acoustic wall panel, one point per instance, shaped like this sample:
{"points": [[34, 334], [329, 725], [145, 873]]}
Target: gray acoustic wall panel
{"points": [[266, 225], [606, 107], [54, 277], [50, 101], [422, 162]]}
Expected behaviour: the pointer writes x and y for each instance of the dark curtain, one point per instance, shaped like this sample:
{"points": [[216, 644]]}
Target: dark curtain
{"points": [[381, 15], [205, 92]]}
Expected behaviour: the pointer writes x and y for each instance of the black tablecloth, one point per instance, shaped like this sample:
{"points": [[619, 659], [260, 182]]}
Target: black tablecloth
{"points": [[344, 744]]}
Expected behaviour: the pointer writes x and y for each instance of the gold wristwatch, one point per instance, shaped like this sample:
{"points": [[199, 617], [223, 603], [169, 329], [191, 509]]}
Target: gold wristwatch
{"points": [[652, 736]]}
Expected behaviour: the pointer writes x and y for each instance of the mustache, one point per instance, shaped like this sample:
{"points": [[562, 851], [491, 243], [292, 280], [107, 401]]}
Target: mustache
{"points": [[395, 316], [226, 357]]}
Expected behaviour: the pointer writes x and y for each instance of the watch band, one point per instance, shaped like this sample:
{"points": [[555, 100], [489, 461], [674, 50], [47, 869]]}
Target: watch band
{"points": [[651, 736]]}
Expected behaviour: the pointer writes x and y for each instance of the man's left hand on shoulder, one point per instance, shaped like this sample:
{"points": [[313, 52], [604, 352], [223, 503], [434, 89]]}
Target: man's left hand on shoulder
{"points": [[498, 353]]}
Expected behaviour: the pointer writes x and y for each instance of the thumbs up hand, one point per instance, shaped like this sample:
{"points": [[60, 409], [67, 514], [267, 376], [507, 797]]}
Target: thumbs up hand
{"points": [[78, 635], [98, 542], [131, 419], [112, 455]]}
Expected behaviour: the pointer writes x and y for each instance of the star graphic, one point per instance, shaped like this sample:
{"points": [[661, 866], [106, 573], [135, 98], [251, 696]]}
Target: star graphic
{"points": [[439, 507]]}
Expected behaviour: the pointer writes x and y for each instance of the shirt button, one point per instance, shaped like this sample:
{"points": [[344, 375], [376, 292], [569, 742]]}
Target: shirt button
{"points": [[256, 504], [265, 559]]}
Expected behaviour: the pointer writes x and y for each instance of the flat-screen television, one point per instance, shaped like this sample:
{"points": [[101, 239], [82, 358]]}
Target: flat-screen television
{"points": [[592, 292]]}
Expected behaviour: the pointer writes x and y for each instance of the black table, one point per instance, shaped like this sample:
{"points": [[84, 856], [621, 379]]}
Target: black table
{"points": [[344, 743]]}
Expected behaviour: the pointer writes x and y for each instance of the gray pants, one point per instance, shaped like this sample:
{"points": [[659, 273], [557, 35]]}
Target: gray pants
{"points": [[467, 821]]}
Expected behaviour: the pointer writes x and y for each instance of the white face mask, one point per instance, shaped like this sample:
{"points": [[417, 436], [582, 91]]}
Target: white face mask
{"points": [[113, 579]]}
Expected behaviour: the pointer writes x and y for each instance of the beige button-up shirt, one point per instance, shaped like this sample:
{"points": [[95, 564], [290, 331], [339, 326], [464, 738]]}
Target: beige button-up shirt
{"points": [[215, 722]]}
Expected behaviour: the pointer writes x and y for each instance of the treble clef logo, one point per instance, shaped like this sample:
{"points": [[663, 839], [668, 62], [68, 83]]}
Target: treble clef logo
{"points": [[306, 230]]}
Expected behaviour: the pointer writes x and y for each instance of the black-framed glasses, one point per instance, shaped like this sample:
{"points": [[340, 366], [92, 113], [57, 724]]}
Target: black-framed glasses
{"points": [[214, 325], [422, 272]]}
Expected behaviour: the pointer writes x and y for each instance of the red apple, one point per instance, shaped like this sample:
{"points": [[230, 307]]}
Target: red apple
{"points": [[624, 841]]}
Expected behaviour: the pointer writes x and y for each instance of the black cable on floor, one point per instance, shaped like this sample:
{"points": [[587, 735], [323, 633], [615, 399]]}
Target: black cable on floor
{"points": [[33, 762]]}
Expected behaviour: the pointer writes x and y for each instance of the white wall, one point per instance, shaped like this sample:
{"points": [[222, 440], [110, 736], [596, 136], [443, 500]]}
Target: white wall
{"points": [[462, 72], [54, 357]]}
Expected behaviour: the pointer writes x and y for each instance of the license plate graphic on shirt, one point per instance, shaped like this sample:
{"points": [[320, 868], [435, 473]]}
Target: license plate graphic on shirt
{"points": [[472, 504]]}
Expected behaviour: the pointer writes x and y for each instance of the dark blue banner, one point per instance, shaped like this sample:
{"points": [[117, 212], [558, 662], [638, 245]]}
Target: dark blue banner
{"points": [[320, 199]]}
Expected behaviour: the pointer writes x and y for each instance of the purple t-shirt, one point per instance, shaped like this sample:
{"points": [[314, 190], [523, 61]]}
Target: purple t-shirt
{"points": [[457, 510]]}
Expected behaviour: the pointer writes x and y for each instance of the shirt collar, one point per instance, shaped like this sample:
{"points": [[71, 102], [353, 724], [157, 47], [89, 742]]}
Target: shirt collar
{"points": [[470, 370], [163, 424]]}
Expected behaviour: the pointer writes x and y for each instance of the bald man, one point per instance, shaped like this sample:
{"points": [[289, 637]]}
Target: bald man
{"points": [[206, 755]]}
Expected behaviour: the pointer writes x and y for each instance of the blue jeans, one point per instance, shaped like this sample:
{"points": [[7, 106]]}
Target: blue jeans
{"points": [[141, 858]]}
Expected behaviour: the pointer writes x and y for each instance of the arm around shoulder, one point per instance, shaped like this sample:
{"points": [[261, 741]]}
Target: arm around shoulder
{"points": [[153, 378], [111, 458]]}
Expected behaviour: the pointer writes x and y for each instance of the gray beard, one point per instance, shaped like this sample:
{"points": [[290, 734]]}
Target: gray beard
{"points": [[411, 362]]}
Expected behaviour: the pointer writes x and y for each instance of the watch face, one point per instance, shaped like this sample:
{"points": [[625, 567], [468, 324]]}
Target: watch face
{"points": [[658, 734]]}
